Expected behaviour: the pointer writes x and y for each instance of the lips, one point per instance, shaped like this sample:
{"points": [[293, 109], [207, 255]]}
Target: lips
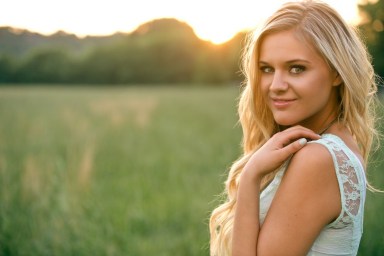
{"points": [[281, 102]]}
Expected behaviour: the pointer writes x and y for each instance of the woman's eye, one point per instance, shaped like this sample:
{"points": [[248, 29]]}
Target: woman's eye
{"points": [[266, 69], [297, 69]]}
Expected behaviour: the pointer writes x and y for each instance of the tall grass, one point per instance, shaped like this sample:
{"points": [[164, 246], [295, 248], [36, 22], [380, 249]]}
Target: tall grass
{"points": [[122, 171]]}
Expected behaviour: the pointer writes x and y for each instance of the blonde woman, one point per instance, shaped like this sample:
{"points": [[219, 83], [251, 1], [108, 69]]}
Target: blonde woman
{"points": [[299, 188]]}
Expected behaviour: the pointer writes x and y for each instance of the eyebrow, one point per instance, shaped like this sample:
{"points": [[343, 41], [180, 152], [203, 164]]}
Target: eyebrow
{"points": [[288, 62]]}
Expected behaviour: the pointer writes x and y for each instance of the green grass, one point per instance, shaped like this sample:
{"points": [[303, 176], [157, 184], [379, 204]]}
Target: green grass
{"points": [[122, 171]]}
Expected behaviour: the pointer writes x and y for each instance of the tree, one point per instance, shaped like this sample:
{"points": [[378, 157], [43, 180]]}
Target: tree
{"points": [[45, 66], [160, 51], [372, 27], [6, 69]]}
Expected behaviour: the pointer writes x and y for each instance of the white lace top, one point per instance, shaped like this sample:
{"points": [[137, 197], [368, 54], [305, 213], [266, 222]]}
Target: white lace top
{"points": [[342, 236]]}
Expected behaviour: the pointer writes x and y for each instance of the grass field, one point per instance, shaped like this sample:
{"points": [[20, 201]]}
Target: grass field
{"points": [[123, 171]]}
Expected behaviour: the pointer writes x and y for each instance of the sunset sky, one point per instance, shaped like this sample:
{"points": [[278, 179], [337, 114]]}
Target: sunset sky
{"points": [[214, 20]]}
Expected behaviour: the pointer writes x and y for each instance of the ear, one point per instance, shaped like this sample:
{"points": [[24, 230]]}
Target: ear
{"points": [[337, 79]]}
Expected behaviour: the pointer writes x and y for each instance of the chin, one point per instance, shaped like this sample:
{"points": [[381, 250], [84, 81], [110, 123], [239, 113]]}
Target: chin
{"points": [[285, 121]]}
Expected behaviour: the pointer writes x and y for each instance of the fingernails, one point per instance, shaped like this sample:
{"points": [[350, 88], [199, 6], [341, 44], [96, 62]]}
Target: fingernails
{"points": [[302, 141]]}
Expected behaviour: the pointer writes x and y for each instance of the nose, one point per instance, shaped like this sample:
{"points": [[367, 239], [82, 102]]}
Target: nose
{"points": [[278, 82]]}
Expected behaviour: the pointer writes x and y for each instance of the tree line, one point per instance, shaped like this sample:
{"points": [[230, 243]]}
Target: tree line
{"points": [[160, 51]]}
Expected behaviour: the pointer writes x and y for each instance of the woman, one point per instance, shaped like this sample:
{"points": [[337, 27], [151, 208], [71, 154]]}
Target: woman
{"points": [[299, 188]]}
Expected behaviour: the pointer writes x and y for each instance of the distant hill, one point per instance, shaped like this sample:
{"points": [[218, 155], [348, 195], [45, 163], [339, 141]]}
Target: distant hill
{"points": [[172, 28], [17, 42], [159, 51]]}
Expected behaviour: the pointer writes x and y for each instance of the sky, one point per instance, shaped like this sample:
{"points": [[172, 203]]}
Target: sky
{"points": [[213, 20]]}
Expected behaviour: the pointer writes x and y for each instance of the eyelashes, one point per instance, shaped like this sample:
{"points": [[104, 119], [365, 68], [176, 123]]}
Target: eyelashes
{"points": [[297, 69], [293, 69], [266, 69]]}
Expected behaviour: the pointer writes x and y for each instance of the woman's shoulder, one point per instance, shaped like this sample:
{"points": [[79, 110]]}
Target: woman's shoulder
{"points": [[314, 162], [340, 142], [343, 150], [308, 192], [327, 156], [311, 176], [330, 167]]}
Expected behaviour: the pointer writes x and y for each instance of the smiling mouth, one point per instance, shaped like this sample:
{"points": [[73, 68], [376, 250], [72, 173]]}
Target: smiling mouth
{"points": [[282, 102]]}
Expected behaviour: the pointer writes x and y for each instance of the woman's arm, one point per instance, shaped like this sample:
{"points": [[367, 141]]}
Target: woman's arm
{"points": [[307, 199], [246, 222], [278, 234]]}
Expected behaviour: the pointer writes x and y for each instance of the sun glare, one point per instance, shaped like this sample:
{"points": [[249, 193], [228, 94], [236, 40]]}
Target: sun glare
{"points": [[225, 24], [216, 34], [216, 20], [219, 21]]}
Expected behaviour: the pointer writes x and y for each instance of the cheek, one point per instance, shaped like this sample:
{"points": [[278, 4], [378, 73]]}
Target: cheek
{"points": [[317, 94], [264, 87]]}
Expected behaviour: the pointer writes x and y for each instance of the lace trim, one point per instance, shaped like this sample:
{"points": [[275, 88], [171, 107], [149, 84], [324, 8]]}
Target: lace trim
{"points": [[349, 183]]}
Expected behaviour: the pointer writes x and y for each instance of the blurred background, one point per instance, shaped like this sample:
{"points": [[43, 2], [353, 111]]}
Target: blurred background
{"points": [[118, 122]]}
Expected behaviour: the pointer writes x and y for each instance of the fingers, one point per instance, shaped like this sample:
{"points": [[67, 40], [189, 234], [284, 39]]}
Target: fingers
{"points": [[279, 148], [294, 133], [308, 133], [293, 147], [293, 139]]}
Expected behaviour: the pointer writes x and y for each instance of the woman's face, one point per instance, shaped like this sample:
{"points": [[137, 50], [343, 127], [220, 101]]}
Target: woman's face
{"points": [[296, 82]]}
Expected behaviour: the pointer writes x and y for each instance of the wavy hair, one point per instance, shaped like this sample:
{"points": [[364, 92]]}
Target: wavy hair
{"points": [[325, 31]]}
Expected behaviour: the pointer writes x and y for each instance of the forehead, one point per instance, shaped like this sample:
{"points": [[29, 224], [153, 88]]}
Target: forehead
{"points": [[287, 45]]}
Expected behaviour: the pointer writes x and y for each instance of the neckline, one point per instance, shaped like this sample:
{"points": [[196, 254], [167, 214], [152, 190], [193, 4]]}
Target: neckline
{"points": [[345, 146], [332, 135], [338, 139]]}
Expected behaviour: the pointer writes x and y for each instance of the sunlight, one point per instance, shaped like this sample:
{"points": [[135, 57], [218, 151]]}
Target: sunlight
{"points": [[215, 20], [219, 21], [214, 33], [233, 18]]}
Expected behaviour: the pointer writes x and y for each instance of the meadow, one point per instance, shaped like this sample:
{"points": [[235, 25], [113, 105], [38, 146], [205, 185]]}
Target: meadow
{"points": [[124, 170]]}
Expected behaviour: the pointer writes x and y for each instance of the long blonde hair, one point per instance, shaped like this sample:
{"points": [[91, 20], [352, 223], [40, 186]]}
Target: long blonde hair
{"points": [[339, 44]]}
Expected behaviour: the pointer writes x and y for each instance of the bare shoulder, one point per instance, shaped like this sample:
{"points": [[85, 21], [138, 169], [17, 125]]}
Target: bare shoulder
{"points": [[313, 158], [312, 168], [312, 177], [307, 199]]}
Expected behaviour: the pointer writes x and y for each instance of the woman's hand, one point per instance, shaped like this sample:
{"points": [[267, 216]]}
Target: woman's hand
{"points": [[277, 150]]}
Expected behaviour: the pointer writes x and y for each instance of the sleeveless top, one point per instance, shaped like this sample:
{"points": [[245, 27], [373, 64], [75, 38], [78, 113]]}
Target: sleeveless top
{"points": [[342, 236]]}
